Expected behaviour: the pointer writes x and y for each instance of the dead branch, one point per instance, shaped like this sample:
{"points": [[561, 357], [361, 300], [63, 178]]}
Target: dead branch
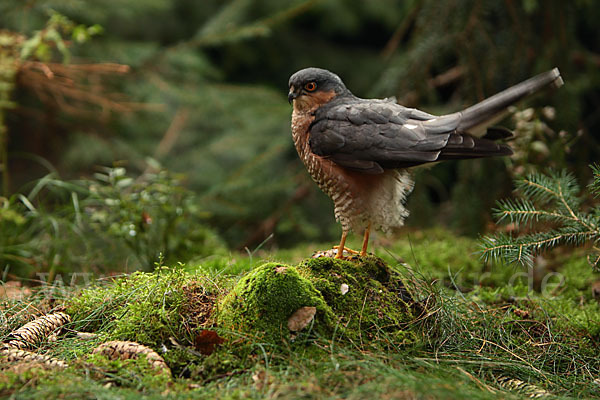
{"points": [[77, 89]]}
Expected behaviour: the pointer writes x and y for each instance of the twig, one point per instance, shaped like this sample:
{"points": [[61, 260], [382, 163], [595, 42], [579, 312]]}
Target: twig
{"points": [[172, 133], [76, 88], [398, 35], [485, 341], [443, 79]]}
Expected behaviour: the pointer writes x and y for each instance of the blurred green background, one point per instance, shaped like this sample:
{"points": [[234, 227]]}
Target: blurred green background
{"points": [[191, 115]]}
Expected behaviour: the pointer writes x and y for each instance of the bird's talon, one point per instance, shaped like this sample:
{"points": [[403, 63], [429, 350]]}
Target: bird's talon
{"points": [[347, 250], [340, 254]]}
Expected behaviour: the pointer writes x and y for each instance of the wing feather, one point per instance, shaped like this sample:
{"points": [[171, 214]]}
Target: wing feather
{"points": [[374, 135]]}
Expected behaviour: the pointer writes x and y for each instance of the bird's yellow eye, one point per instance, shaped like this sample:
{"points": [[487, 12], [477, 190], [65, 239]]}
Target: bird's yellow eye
{"points": [[310, 86]]}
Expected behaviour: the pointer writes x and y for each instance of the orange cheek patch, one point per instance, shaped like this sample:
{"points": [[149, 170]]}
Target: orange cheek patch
{"points": [[322, 97], [312, 101]]}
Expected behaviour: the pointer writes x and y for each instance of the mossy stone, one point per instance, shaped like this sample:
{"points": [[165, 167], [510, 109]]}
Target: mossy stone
{"points": [[262, 302]]}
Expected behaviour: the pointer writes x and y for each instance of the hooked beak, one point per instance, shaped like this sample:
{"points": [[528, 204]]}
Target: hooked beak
{"points": [[292, 95]]}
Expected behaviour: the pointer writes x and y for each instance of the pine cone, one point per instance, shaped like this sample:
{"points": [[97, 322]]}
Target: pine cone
{"points": [[125, 350], [14, 355], [36, 331], [523, 388]]}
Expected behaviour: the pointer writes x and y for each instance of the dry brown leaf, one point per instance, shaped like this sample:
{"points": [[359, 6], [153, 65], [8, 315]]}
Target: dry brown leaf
{"points": [[206, 341], [301, 318]]}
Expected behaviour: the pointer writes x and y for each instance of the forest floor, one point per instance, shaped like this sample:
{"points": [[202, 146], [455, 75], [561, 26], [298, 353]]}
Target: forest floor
{"points": [[430, 320]]}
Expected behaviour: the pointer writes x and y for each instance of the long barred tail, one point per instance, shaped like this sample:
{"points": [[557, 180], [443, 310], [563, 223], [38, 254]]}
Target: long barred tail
{"points": [[487, 111]]}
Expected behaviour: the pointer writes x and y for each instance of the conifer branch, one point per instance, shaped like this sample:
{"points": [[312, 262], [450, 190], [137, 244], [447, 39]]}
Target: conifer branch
{"points": [[523, 211], [551, 198]]}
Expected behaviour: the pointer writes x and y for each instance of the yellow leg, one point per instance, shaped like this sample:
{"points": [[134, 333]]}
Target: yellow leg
{"points": [[363, 252], [340, 252]]}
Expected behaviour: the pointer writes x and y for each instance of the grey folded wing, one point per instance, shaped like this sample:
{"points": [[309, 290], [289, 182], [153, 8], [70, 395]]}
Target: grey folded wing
{"points": [[373, 135]]}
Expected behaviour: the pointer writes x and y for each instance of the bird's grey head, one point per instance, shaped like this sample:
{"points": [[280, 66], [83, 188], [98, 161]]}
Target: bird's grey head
{"points": [[316, 83]]}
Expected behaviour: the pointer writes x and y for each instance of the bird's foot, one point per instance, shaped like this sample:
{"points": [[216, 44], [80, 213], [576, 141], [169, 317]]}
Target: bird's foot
{"points": [[334, 252], [345, 254], [346, 249]]}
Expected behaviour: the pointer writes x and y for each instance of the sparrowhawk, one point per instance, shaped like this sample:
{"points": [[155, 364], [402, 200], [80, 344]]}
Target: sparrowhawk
{"points": [[359, 151]]}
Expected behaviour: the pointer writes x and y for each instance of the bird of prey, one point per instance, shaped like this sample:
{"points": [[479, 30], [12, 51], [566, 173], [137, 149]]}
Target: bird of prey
{"points": [[359, 151]]}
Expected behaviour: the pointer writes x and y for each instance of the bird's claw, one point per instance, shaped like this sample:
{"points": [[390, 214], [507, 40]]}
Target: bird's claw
{"points": [[346, 249], [340, 254], [347, 254]]}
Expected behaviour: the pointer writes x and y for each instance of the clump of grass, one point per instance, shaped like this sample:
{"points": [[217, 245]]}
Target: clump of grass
{"points": [[523, 334], [165, 309], [147, 307]]}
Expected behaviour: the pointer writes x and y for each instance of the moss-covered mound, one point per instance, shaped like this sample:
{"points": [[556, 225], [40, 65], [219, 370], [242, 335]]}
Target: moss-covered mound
{"points": [[185, 316], [359, 299], [367, 297], [263, 301]]}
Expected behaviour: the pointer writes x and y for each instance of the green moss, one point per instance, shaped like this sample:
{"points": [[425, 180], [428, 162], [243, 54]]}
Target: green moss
{"points": [[571, 304], [564, 303], [141, 307], [135, 372], [147, 308], [13, 379], [578, 276], [220, 363], [435, 251], [374, 303], [544, 337], [368, 298], [262, 302]]}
